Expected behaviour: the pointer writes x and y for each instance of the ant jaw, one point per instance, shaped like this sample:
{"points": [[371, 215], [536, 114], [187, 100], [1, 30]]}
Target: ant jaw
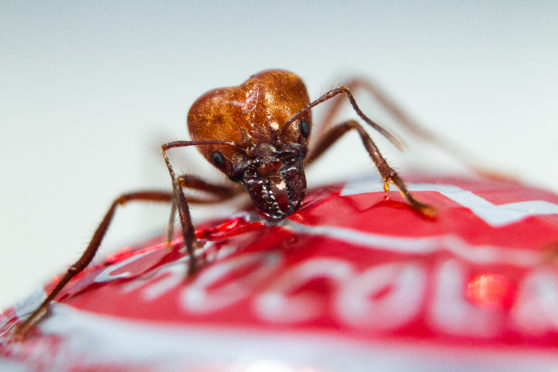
{"points": [[277, 190]]}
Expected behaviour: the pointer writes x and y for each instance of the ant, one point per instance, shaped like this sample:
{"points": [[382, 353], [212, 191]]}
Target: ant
{"points": [[257, 134]]}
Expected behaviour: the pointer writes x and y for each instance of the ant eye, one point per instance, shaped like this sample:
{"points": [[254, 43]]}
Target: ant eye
{"points": [[218, 159], [304, 128]]}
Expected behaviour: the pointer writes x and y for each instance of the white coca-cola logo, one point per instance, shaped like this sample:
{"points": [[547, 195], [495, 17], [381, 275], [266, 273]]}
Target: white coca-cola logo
{"points": [[380, 298]]}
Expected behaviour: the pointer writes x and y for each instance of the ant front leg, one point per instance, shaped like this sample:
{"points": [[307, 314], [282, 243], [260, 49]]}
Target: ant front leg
{"points": [[217, 193], [179, 199], [86, 257], [388, 173]]}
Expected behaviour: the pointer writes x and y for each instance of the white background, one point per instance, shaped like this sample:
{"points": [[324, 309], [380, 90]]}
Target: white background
{"points": [[89, 90]]}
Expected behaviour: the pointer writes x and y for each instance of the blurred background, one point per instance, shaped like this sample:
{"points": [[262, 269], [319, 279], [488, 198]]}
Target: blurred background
{"points": [[89, 91]]}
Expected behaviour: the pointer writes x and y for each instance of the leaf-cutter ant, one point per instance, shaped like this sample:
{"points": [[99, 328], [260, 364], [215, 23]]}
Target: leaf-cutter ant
{"points": [[257, 134]]}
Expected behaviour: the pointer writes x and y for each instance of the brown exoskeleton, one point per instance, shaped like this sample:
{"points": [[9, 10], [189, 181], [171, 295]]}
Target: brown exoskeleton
{"points": [[257, 135]]}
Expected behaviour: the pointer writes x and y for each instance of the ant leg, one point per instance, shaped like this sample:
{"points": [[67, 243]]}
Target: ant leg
{"points": [[179, 199], [88, 254], [388, 173], [170, 225], [218, 193]]}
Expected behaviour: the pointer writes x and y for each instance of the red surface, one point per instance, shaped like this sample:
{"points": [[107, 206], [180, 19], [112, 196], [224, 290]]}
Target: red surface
{"points": [[454, 280]]}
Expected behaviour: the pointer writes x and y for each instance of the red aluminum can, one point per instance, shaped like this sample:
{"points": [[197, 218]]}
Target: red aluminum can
{"points": [[354, 281]]}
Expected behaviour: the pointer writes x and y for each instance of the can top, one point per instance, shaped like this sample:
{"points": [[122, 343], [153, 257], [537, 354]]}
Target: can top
{"points": [[355, 274]]}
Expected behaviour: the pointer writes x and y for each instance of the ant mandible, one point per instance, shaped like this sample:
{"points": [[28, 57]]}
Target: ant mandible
{"points": [[256, 134]]}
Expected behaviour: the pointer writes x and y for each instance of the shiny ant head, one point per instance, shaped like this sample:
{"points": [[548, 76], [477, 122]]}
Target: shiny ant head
{"points": [[262, 152]]}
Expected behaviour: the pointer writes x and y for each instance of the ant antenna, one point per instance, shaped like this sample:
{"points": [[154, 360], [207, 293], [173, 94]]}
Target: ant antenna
{"points": [[174, 144], [398, 142]]}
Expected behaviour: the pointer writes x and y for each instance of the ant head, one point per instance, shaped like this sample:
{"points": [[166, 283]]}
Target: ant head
{"points": [[266, 158]]}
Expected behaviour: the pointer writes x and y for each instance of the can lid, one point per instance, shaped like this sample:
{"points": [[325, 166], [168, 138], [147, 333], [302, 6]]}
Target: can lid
{"points": [[350, 282]]}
